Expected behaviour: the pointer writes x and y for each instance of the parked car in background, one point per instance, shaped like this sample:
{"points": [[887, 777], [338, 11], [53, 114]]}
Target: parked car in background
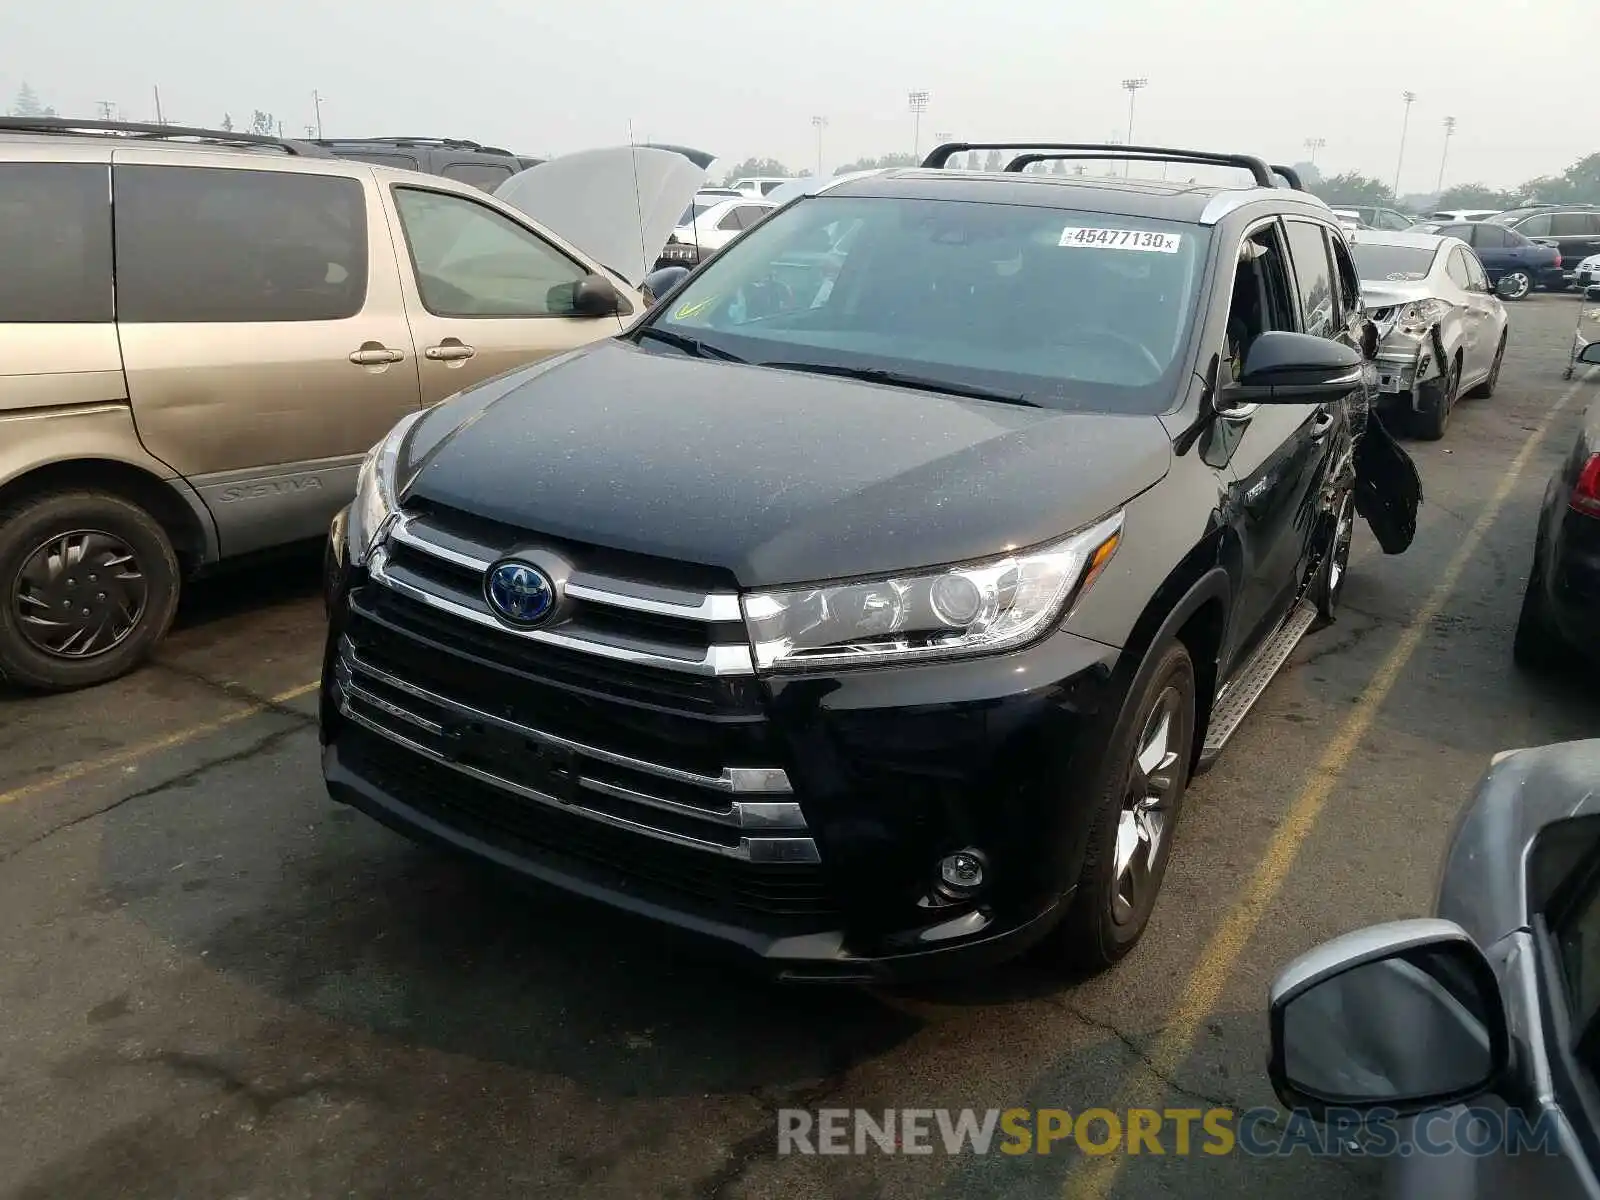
{"points": [[1573, 228], [1349, 220], [1484, 1020], [485, 167], [1463, 214], [1516, 264], [1561, 605], [1587, 272], [872, 623], [202, 334], [711, 228], [758, 185], [1442, 330], [1373, 216]]}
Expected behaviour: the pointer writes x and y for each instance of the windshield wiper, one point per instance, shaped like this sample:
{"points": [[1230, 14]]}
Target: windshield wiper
{"points": [[899, 379], [687, 344]]}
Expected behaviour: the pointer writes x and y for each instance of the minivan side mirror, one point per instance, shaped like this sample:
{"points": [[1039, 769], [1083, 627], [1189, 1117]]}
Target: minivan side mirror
{"points": [[1295, 368], [1405, 1016], [591, 296]]}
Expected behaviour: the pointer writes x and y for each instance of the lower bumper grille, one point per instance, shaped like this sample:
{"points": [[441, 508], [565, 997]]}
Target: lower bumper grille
{"points": [[792, 893]]}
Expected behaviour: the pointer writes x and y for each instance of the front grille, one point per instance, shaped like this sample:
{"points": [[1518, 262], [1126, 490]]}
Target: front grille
{"points": [[633, 720], [780, 892]]}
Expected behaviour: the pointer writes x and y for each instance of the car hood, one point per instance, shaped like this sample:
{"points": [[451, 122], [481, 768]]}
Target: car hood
{"points": [[618, 205], [1485, 887], [772, 476]]}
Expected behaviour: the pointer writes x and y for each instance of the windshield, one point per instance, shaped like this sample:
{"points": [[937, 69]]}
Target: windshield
{"points": [[1069, 309], [1395, 264]]}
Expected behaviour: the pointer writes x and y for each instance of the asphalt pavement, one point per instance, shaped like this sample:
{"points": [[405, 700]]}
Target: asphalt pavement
{"points": [[216, 983]]}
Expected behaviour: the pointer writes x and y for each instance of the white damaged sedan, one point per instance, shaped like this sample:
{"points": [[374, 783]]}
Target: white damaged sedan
{"points": [[1442, 330]]}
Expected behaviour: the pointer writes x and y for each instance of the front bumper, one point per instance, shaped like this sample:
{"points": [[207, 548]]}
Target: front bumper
{"points": [[887, 771]]}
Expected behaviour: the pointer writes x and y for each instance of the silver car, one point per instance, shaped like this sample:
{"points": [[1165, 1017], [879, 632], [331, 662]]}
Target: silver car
{"points": [[1442, 329], [1465, 1049]]}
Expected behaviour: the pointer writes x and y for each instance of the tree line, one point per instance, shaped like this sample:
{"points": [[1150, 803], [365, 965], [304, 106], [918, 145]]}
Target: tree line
{"points": [[1578, 184]]}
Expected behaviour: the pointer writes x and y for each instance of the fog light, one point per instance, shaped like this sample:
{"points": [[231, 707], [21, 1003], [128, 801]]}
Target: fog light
{"points": [[962, 872]]}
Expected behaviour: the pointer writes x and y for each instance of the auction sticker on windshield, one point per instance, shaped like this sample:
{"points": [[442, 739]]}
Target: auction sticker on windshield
{"points": [[1122, 239]]}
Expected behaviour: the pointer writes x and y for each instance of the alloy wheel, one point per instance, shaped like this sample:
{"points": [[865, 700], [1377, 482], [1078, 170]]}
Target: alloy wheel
{"points": [[1516, 285], [79, 594], [1154, 778], [1343, 535]]}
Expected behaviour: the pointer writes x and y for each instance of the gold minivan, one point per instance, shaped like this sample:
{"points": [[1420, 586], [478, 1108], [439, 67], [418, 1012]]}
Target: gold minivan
{"points": [[202, 334]]}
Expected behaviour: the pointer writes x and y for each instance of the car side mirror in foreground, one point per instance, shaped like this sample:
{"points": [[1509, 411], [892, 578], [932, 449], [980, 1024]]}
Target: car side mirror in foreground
{"points": [[1295, 368], [1405, 1016], [1591, 352]]}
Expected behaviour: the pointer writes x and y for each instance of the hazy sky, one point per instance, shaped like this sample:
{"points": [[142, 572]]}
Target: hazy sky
{"points": [[745, 79]]}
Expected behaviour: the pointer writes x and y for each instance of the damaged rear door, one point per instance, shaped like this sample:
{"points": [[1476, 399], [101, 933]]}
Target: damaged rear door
{"points": [[1388, 490]]}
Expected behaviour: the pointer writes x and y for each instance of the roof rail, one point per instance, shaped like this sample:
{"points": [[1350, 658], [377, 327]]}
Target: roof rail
{"points": [[139, 131], [448, 143], [1290, 174], [940, 155]]}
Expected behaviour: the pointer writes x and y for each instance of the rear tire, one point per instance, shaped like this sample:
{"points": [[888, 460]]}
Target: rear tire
{"points": [[1138, 798], [1329, 585], [1537, 647], [1434, 419], [89, 584]]}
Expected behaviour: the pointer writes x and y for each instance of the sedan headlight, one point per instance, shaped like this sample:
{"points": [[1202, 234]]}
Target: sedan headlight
{"points": [[375, 491], [974, 609], [1417, 318]]}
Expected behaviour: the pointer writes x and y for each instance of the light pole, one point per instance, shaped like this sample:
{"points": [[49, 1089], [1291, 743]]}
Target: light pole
{"points": [[1410, 98], [1449, 130], [819, 124], [1132, 86], [316, 101], [1313, 145], [917, 102]]}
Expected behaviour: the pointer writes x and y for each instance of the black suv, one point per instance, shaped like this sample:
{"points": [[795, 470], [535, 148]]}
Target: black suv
{"points": [[485, 167], [870, 610], [1574, 229]]}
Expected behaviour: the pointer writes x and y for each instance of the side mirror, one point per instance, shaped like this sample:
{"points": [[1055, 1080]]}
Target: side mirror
{"points": [[1591, 353], [661, 281], [1405, 1016], [1295, 368], [591, 296]]}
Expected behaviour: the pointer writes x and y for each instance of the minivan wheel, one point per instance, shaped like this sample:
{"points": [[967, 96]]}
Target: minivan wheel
{"points": [[1139, 796], [88, 585]]}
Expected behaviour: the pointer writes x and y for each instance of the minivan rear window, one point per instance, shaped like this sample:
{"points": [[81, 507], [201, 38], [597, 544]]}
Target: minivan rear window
{"points": [[209, 244], [55, 244]]}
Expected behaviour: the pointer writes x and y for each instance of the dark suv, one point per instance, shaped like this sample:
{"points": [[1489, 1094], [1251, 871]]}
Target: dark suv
{"points": [[870, 611], [1574, 229], [485, 167]]}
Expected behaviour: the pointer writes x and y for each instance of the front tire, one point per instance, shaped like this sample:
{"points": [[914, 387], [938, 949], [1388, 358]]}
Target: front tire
{"points": [[1138, 798], [88, 585]]}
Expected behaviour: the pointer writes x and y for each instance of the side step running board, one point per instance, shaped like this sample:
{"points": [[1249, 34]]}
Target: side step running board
{"points": [[1244, 689]]}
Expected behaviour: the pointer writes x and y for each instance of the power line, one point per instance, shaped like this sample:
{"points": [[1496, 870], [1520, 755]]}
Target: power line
{"points": [[918, 103]]}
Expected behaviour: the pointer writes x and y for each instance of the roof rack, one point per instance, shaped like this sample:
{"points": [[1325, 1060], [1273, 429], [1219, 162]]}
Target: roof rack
{"points": [[447, 143], [1258, 169], [139, 131]]}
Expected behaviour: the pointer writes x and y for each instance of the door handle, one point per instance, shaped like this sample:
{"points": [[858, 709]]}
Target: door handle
{"points": [[375, 354], [449, 350], [1321, 425]]}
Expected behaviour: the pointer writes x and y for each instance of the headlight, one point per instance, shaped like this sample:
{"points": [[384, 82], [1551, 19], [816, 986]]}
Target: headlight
{"points": [[1419, 317], [375, 490], [975, 609]]}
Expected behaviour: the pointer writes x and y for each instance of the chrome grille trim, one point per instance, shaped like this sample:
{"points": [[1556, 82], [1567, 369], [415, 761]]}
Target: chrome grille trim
{"points": [[735, 780], [718, 659], [751, 849]]}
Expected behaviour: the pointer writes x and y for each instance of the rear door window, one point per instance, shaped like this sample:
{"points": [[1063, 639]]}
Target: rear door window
{"points": [[1308, 250], [1491, 237], [1456, 268], [1476, 280], [208, 245], [55, 244], [1349, 282], [1569, 224]]}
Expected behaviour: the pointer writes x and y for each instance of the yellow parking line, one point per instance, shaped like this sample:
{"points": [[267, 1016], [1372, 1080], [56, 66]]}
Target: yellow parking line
{"points": [[133, 753], [1203, 990]]}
